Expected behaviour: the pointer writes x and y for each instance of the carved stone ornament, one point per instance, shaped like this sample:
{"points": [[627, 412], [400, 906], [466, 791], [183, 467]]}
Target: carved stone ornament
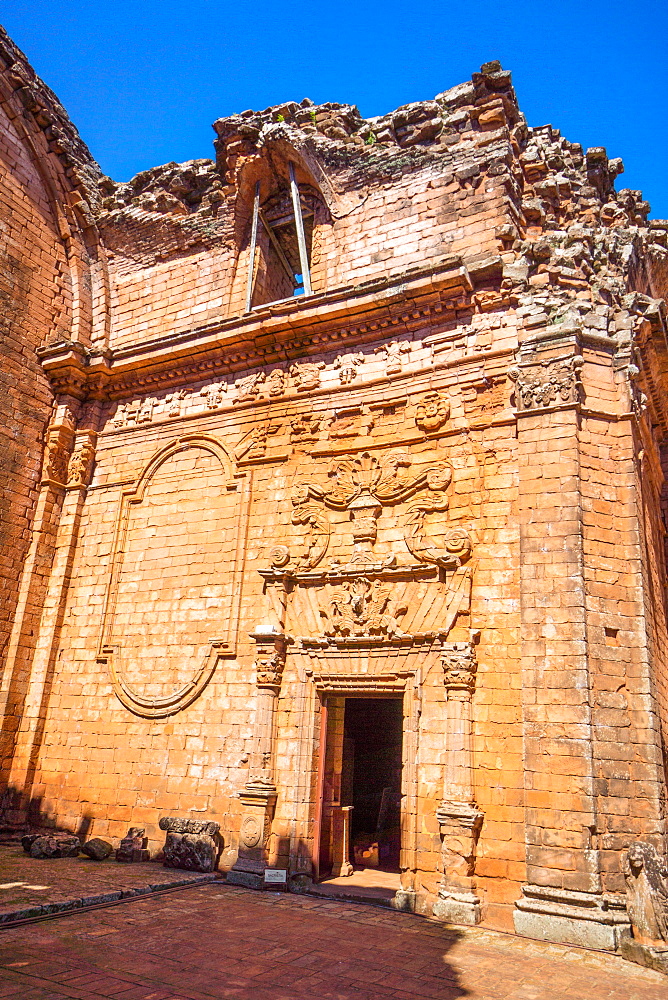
{"points": [[546, 383], [393, 354], [269, 658], [214, 394], [456, 543], [645, 874], [347, 365], [251, 831], [139, 411], [248, 388], [173, 402], [459, 670], [254, 443], [362, 608], [432, 412], [80, 468], [276, 382], [306, 376], [56, 455]]}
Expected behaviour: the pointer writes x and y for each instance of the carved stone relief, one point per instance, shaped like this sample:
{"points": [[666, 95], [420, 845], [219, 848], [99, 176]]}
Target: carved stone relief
{"points": [[80, 468], [306, 375], [544, 383], [394, 353], [347, 365], [432, 413]]}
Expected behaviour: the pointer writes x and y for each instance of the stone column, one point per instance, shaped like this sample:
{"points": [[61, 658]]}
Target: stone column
{"points": [[259, 794], [459, 819]]}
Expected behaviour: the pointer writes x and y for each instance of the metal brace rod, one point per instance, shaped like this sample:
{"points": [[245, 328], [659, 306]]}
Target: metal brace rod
{"points": [[277, 247], [299, 223], [253, 245]]}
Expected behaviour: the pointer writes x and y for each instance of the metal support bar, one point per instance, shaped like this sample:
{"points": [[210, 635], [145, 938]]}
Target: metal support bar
{"points": [[299, 223], [253, 245], [277, 247]]}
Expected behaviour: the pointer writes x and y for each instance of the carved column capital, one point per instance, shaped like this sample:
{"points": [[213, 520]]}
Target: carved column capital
{"points": [[271, 648], [459, 669], [550, 382]]}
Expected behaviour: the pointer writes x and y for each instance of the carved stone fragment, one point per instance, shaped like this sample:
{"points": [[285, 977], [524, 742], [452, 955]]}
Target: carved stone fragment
{"points": [[57, 845], [133, 846], [190, 844]]}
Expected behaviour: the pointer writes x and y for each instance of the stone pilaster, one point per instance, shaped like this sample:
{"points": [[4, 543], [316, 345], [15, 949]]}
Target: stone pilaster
{"points": [[459, 818], [259, 794]]}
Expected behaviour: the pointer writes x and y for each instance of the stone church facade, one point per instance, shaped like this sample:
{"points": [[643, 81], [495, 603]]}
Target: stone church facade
{"points": [[358, 429]]}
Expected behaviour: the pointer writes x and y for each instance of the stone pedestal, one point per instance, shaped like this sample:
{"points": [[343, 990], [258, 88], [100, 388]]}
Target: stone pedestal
{"points": [[258, 801], [259, 794], [644, 954]]}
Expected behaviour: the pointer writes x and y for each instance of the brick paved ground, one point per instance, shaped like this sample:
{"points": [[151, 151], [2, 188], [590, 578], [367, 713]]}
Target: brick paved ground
{"points": [[31, 886], [215, 941]]}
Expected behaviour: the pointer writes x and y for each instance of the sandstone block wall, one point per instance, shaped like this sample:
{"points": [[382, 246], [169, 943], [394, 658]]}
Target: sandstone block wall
{"points": [[437, 478]]}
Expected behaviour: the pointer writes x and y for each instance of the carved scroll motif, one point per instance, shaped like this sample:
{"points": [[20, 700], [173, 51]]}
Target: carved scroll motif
{"points": [[456, 547], [546, 383]]}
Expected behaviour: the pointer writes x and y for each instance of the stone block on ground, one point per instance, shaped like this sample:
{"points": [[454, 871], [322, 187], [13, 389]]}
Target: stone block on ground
{"points": [[59, 845], [190, 844], [97, 849]]}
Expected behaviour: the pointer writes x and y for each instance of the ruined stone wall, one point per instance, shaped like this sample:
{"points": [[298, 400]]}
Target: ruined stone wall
{"points": [[438, 478], [45, 169]]}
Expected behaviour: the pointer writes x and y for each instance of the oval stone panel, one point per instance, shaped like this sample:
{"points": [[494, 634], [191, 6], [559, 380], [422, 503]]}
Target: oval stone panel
{"points": [[172, 588]]}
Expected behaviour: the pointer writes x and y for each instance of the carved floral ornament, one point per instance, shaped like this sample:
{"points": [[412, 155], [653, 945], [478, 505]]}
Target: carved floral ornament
{"points": [[547, 383]]}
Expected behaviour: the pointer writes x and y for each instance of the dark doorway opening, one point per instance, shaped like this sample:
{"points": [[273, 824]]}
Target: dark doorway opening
{"points": [[371, 780]]}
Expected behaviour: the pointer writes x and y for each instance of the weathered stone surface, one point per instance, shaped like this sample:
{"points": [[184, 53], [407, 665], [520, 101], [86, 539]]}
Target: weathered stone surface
{"points": [[97, 849], [437, 476], [190, 844], [133, 846], [57, 845], [645, 874]]}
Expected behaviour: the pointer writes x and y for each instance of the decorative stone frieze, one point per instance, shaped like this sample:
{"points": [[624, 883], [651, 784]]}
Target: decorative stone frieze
{"points": [[551, 382]]}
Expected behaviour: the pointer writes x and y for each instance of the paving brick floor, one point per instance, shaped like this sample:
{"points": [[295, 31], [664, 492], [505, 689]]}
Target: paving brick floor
{"points": [[30, 887], [214, 941]]}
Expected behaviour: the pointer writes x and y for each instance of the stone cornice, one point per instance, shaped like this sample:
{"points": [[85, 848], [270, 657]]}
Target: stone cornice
{"points": [[279, 332]]}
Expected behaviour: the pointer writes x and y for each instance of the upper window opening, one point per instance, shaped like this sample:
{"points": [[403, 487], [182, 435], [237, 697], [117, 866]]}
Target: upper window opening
{"points": [[281, 244]]}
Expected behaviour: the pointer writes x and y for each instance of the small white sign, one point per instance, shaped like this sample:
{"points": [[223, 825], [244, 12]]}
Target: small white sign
{"points": [[276, 875]]}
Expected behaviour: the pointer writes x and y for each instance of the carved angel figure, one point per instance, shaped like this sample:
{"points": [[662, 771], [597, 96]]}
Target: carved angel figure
{"points": [[307, 375], [646, 893], [249, 387]]}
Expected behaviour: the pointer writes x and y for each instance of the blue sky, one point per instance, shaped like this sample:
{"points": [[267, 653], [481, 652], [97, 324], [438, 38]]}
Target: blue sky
{"points": [[143, 81]]}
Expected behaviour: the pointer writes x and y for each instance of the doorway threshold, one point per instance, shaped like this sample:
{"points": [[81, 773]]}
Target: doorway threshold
{"points": [[365, 885]]}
